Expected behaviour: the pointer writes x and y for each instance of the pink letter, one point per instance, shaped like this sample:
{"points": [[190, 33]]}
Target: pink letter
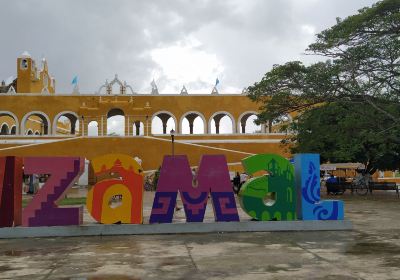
{"points": [[43, 211], [213, 177]]}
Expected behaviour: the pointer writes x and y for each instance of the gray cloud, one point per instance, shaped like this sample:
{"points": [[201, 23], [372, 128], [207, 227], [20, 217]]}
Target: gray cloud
{"points": [[96, 39]]}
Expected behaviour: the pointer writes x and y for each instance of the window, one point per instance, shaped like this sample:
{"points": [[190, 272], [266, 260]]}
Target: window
{"points": [[24, 64]]}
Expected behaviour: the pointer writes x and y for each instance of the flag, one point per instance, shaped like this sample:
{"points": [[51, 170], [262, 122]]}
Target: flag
{"points": [[216, 82], [74, 80]]}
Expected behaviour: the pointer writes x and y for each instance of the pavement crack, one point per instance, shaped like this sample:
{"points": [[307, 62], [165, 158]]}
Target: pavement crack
{"points": [[191, 257], [53, 268], [319, 258], [312, 253]]}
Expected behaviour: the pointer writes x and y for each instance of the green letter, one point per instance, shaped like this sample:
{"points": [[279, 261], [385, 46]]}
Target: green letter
{"points": [[277, 186]]}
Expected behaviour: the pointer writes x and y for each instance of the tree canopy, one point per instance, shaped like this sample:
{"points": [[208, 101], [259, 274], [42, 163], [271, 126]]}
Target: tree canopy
{"points": [[362, 71], [363, 52], [344, 132]]}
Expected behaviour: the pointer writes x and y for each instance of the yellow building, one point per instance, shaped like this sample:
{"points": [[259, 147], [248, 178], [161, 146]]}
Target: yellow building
{"points": [[30, 80], [37, 121]]}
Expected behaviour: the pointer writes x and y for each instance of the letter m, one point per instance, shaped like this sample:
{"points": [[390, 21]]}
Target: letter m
{"points": [[212, 178]]}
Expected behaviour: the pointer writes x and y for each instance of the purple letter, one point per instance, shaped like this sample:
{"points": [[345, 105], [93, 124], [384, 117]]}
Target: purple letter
{"points": [[42, 210], [213, 177]]}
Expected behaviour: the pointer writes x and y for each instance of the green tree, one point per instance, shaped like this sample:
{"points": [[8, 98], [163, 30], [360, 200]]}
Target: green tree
{"points": [[343, 132], [348, 104], [366, 49], [363, 52], [293, 87]]}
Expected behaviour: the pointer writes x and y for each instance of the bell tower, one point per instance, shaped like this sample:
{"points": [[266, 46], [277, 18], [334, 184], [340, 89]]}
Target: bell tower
{"points": [[25, 72], [31, 79]]}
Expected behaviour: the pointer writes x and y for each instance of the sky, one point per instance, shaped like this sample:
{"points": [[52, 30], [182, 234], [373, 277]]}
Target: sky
{"points": [[175, 43]]}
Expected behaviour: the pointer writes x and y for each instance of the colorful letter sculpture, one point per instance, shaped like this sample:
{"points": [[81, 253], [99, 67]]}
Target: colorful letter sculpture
{"points": [[10, 191], [307, 180], [117, 197], [213, 177], [129, 187], [279, 181], [42, 210]]}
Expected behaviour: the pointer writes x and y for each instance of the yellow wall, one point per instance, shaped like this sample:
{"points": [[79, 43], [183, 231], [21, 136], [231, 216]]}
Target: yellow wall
{"points": [[137, 107], [150, 149], [31, 79], [8, 121], [29, 103], [34, 124]]}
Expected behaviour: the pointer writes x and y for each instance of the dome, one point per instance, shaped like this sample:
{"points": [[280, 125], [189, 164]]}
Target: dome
{"points": [[25, 54]]}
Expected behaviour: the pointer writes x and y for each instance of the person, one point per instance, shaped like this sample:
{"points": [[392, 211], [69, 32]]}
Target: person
{"points": [[31, 189], [331, 185], [243, 178], [155, 178], [147, 184], [236, 182], [332, 179], [359, 178], [362, 178]]}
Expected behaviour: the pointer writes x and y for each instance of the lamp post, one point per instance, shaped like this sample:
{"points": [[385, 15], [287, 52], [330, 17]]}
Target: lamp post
{"points": [[172, 133]]}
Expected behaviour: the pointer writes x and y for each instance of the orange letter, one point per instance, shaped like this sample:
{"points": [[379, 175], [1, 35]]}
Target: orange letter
{"points": [[128, 187]]}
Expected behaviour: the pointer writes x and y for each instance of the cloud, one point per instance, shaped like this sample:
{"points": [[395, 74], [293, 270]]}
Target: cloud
{"points": [[186, 63], [176, 42]]}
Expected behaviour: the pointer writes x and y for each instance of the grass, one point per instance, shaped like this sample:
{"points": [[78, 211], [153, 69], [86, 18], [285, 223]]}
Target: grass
{"points": [[65, 201]]}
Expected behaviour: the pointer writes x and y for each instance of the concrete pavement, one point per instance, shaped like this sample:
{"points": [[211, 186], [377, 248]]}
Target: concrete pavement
{"points": [[370, 251]]}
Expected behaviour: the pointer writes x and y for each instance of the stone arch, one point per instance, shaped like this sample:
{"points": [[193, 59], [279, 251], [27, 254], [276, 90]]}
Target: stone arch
{"points": [[93, 128], [4, 129], [29, 132], [13, 130], [73, 118], [164, 116], [114, 113], [13, 116], [37, 132], [193, 115], [241, 124], [45, 119], [220, 115], [138, 128]]}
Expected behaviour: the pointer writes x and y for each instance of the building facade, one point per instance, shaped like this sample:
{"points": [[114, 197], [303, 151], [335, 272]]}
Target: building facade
{"points": [[35, 120]]}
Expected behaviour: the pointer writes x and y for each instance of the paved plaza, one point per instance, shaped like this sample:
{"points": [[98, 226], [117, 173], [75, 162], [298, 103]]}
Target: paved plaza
{"points": [[370, 251]]}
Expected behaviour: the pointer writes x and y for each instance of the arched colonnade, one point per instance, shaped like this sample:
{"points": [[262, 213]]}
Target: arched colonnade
{"points": [[117, 122]]}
